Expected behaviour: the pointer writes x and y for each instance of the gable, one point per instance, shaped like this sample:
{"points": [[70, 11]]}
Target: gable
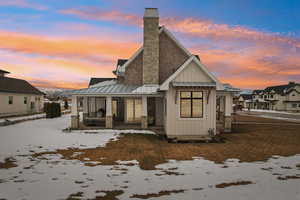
{"points": [[133, 74], [193, 73], [171, 56], [193, 59]]}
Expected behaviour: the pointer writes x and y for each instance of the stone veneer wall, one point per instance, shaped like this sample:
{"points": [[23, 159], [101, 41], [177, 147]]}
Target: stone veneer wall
{"points": [[151, 51], [134, 71], [171, 57]]}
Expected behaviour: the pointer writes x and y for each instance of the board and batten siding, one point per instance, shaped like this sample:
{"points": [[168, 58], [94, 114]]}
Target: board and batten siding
{"points": [[18, 106], [192, 73], [177, 126]]}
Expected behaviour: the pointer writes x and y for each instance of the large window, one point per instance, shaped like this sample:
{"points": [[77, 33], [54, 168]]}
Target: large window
{"points": [[134, 110], [191, 104]]}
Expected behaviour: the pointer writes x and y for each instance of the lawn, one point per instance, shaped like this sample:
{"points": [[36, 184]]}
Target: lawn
{"points": [[248, 143]]}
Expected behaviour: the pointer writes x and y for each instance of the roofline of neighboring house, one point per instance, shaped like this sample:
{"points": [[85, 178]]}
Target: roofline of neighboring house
{"points": [[4, 72], [36, 92]]}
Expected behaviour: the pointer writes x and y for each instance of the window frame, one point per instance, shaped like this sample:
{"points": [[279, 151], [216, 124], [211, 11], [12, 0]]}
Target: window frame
{"points": [[191, 98]]}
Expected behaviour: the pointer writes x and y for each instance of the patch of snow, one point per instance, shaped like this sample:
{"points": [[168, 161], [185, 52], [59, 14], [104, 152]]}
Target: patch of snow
{"points": [[270, 111], [55, 178]]}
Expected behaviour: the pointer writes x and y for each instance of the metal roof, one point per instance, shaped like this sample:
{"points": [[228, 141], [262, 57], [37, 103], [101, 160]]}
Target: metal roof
{"points": [[146, 89], [193, 84], [120, 89], [107, 89]]}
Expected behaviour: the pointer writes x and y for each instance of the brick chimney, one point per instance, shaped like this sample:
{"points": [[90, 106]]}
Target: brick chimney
{"points": [[151, 47]]}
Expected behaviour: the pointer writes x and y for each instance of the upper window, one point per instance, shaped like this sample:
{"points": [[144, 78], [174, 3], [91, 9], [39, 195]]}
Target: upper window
{"points": [[10, 100], [191, 104]]}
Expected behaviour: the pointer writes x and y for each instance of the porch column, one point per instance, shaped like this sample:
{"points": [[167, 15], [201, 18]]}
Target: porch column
{"points": [[85, 108], [144, 118], [222, 108], [108, 117], [74, 113], [228, 113]]}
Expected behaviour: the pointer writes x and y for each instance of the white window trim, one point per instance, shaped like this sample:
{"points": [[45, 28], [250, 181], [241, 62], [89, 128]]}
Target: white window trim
{"points": [[192, 119]]}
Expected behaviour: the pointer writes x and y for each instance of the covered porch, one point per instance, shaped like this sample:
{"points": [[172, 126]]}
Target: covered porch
{"points": [[118, 112]]}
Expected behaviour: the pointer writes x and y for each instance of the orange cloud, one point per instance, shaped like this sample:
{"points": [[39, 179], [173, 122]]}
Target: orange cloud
{"points": [[189, 26], [51, 46]]}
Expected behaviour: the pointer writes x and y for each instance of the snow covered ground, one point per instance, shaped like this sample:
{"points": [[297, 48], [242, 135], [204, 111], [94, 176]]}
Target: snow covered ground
{"points": [[55, 178], [270, 111]]}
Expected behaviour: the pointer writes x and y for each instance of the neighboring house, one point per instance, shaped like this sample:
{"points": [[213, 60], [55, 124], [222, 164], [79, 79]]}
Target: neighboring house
{"points": [[281, 98], [162, 86], [245, 100], [18, 97]]}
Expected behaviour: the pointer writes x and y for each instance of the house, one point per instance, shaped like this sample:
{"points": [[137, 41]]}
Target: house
{"points": [[162, 85], [18, 97], [245, 100], [280, 98]]}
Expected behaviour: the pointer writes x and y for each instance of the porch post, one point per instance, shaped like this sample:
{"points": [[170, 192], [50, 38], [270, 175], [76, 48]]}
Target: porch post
{"points": [[222, 108], [228, 112], [144, 118], [108, 117], [85, 108], [74, 113]]}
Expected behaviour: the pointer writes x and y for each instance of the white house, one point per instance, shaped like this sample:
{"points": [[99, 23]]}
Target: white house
{"points": [[162, 85], [18, 97], [280, 97]]}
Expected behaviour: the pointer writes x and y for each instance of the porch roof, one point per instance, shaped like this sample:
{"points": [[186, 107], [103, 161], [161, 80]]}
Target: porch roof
{"points": [[194, 84], [118, 89]]}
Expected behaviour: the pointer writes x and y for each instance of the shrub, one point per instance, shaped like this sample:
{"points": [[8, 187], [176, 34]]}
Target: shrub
{"points": [[52, 110]]}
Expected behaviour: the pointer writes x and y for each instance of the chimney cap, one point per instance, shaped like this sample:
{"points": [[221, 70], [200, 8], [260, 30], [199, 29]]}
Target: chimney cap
{"points": [[151, 12]]}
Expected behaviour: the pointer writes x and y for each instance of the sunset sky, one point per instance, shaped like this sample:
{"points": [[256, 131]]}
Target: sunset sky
{"points": [[55, 43]]}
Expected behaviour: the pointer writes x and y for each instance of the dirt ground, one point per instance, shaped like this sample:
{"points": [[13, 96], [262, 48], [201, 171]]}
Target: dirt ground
{"points": [[247, 142]]}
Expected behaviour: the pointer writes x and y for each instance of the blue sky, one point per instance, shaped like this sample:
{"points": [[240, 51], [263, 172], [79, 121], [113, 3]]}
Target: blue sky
{"points": [[238, 40]]}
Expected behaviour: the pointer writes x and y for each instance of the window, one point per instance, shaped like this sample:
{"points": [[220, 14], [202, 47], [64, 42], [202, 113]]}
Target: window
{"points": [[191, 104], [25, 100], [134, 110], [10, 100], [271, 95], [294, 105]]}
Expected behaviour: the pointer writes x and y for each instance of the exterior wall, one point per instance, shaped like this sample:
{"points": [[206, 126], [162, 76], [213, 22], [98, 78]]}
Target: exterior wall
{"points": [[289, 106], [134, 71], [192, 73], [18, 106], [171, 57], [176, 126]]}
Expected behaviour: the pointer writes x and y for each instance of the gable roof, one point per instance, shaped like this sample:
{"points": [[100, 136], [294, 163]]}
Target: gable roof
{"points": [[165, 85], [13, 85], [94, 81], [161, 29], [281, 89], [121, 62], [4, 72], [246, 96]]}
